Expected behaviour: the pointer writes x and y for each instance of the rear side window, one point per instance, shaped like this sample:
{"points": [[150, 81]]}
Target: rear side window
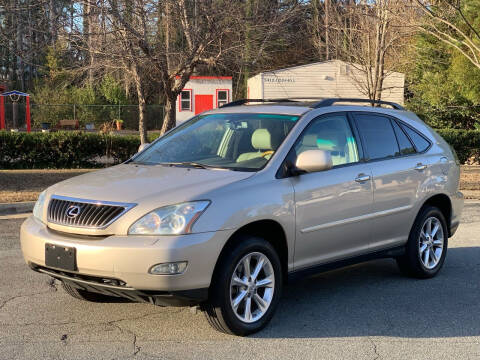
{"points": [[406, 147], [378, 136], [420, 142]]}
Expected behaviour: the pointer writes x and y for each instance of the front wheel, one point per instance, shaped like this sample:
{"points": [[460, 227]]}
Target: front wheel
{"points": [[427, 245], [246, 288]]}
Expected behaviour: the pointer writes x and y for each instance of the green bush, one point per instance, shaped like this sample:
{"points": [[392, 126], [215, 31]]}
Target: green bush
{"points": [[465, 142], [70, 149], [75, 149]]}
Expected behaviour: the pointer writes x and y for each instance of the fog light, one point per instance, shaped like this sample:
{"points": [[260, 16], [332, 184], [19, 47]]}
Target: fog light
{"points": [[168, 268]]}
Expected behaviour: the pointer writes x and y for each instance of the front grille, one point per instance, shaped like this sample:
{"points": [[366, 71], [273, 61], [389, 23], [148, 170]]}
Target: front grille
{"points": [[84, 213]]}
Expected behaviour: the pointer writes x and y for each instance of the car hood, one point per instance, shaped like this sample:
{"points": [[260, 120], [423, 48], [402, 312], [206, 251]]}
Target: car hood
{"points": [[135, 183]]}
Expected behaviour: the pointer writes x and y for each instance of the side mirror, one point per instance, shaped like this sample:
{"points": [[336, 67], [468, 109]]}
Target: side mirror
{"points": [[314, 161], [143, 146]]}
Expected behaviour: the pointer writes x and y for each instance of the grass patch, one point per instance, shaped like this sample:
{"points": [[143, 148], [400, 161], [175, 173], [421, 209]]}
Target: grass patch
{"points": [[25, 185]]}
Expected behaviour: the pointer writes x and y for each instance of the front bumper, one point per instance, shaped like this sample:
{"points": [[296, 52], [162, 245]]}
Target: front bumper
{"points": [[111, 287], [127, 259]]}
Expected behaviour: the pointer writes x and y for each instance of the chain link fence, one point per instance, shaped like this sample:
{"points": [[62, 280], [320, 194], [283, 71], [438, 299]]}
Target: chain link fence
{"points": [[86, 115]]}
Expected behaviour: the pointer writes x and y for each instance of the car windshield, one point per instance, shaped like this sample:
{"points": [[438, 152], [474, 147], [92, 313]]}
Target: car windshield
{"points": [[242, 142]]}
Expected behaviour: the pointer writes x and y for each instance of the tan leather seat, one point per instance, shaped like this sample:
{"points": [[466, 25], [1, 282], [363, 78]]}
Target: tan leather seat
{"points": [[262, 141], [309, 142]]}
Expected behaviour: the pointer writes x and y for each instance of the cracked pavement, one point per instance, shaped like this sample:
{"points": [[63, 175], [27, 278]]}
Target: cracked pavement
{"points": [[367, 311]]}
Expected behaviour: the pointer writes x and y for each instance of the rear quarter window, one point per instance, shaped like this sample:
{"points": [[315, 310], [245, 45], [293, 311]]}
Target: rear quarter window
{"points": [[421, 144], [406, 147]]}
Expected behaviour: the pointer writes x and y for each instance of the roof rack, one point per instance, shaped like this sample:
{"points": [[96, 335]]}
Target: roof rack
{"points": [[319, 104], [330, 102], [244, 101]]}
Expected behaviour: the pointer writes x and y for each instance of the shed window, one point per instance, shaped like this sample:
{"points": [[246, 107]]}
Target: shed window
{"points": [[186, 100], [222, 97]]}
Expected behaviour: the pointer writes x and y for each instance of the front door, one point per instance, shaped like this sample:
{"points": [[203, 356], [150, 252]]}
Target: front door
{"points": [[333, 207], [203, 103]]}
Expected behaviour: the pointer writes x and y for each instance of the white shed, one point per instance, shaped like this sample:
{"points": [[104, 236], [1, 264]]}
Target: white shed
{"points": [[328, 79], [203, 93]]}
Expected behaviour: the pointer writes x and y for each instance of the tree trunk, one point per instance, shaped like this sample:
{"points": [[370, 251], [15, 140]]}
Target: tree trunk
{"points": [[89, 26], [20, 65], [169, 120], [52, 18], [86, 29], [327, 30], [248, 34], [142, 127], [382, 16], [142, 108]]}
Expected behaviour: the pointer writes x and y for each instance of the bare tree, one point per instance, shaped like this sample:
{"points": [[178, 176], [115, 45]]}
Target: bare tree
{"points": [[153, 46], [167, 41], [319, 27], [162, 41], [27, 29], [368, 35]]}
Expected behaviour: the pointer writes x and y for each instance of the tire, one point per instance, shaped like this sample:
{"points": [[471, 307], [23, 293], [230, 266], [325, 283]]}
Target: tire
{"points": [[86, 295], [424, 255], [220, 311]]}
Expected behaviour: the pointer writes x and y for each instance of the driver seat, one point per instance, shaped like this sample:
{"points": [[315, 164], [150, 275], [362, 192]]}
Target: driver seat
{"points": [[261, 141]]}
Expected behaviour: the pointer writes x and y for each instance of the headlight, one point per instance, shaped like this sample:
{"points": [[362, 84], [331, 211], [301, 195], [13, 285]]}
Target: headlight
{"points": [[38, 208], [169, 220]]}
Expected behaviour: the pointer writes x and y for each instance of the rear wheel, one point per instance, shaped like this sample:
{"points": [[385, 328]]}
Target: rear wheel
{"points": [[86, 295], [246, 288], [427, 245]]}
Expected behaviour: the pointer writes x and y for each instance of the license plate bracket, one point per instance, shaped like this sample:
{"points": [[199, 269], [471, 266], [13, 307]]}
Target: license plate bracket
{"points": [[61, 257]]}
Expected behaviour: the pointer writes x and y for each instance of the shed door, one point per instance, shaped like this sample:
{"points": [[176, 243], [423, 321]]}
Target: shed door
{"points": [[203, 103]]}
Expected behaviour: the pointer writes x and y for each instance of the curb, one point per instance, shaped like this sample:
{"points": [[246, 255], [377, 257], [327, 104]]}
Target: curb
{"points": [[16, 208]]}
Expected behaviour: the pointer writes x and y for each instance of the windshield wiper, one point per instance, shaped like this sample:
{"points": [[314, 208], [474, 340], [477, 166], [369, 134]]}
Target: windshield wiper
{"points": [[189, 163]]}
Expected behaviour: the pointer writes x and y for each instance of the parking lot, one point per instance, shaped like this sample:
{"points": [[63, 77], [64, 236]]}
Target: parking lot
{"points": [[367, 311]]}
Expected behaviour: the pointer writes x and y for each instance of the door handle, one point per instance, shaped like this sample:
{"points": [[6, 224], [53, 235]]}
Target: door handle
{"points": [[361, 178], [420, 167]]}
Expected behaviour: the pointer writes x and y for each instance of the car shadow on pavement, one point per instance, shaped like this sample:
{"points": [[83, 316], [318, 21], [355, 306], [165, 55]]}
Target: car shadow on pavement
{"points": [[375, 299]]}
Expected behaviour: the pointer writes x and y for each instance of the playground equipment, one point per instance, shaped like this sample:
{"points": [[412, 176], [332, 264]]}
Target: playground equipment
{"points": [[14, 98]]}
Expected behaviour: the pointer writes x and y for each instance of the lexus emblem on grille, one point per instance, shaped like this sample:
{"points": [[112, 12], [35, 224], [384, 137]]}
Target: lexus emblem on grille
{"points": [[73, 211]]}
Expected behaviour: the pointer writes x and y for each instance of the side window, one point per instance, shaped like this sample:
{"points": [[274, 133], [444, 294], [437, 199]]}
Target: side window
{"points": [[186, 100], [378, 136], [331, 133], [406, 147], [420, 142]]}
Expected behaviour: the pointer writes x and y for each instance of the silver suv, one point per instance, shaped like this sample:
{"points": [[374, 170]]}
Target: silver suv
{"points": [[225, 208]]}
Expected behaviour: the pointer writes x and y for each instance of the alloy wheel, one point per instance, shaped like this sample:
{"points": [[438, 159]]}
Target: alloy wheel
{"points": [[430, 246], [251, 287]]}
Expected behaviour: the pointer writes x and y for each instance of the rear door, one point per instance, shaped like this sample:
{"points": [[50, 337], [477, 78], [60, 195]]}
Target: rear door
{"points": [[397, 171], [333, 206]]}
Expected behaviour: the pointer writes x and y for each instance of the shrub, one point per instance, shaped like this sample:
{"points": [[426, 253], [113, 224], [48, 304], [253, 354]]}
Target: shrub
{"points": [[72, 149], [75, 149], [465, 142]]}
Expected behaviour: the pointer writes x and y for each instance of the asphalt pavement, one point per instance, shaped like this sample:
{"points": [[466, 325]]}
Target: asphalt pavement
{"points": [[367, 311]]}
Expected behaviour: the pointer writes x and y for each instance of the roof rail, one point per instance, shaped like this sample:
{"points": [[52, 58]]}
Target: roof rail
{"points": [[244, 101], [330, 102]]}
